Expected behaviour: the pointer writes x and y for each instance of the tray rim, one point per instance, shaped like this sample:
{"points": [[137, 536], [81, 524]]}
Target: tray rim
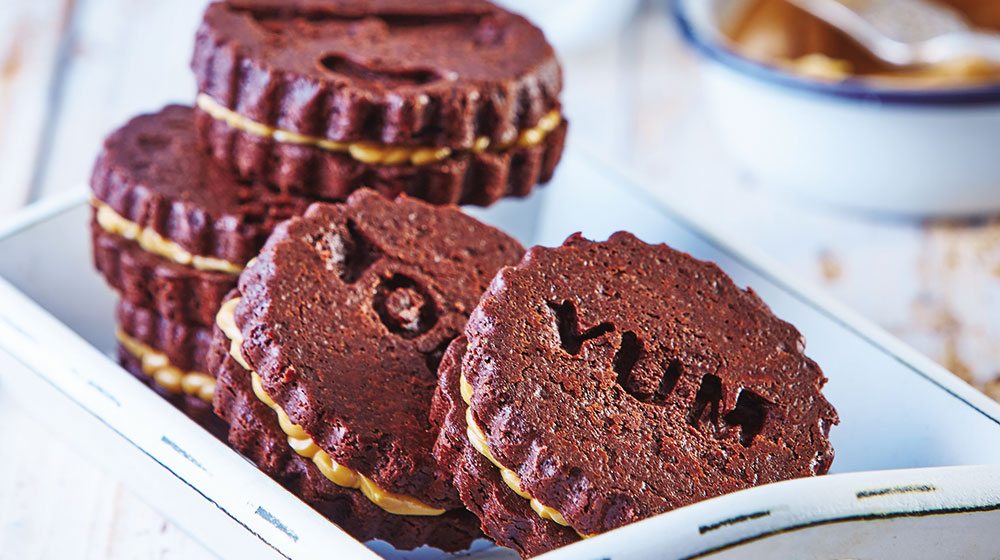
{"points": [[751, 258], [19, 341]]}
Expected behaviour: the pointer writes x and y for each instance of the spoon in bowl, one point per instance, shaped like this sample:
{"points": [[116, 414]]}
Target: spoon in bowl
{"points": [[907, 32]]}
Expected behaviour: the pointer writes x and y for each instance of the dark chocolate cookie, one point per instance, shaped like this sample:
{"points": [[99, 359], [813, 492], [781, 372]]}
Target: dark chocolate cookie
{"points": [[448, 100], [184, 346], [345, 315], [506, 517], [468, 178], [254, 432], [154, 184], [618, 380], [178, 293]]}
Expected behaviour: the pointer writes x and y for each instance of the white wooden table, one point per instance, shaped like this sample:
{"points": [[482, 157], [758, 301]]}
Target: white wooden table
{"points": [[72, 70]]}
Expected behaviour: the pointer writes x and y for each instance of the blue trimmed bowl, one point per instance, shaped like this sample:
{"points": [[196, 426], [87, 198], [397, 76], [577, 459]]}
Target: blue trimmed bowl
{"points": [[852, 144]]}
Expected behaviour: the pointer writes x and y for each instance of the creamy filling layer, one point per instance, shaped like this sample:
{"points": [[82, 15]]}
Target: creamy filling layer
{"points": [[478, 440], [303, 444], [152, 242], [776, 32], [374, 152], [163, 373]]}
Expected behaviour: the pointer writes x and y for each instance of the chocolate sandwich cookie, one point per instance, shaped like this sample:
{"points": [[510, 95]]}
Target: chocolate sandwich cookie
{"points": [[609, 382], [184, 346], [170, 357], [176, 291], [254, 431], [171, 230], [449, 101], [341, 322], [504, 515]]}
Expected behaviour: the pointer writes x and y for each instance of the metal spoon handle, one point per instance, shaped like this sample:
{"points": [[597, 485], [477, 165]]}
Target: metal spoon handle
{"points": [[981, 46], [907, 32], [987, 45]]}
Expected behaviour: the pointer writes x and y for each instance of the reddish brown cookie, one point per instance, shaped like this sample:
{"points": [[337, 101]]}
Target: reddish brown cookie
{"points": [[480, 179], [345, 315], [505, 516], [255, 433], [451, 101], [394, 71], [171, 231], [153, 173], [618, 380], [184, 346], [177, 292]]}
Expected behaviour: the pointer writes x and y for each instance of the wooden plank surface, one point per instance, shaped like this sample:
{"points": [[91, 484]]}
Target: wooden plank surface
{"points": [[70, 72], [31, 40], [54, 504], [128, 57]]}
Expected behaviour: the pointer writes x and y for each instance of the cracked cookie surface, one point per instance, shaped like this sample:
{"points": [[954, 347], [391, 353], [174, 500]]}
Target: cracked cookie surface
{"points": [[254, 432], [618, 380]]}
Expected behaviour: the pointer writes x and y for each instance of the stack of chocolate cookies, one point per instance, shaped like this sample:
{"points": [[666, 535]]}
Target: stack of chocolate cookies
{"points": [[309, 101], [304, 101], [171, 231], [391, 361], [450, 101], [289, 257]]}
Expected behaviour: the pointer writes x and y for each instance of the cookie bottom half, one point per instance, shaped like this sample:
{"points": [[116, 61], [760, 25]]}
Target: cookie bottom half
{"points": [[193, 404], [255, 433], [177, 293], [183, 345], [463, 178], [505, 516]]}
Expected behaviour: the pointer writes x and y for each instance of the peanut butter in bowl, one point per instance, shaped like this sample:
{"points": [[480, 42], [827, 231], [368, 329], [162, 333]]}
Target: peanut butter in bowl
{"points": [[776, 33]]}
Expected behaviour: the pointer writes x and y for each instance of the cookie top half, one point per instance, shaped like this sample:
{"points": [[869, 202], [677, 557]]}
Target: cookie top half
{"points": [[345, 316], [618, 380], [505, 517], [441, 72], [153, 183]]}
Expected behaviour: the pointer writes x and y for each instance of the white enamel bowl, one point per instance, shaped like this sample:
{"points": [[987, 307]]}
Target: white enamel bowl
{"points": [[849, 144]]}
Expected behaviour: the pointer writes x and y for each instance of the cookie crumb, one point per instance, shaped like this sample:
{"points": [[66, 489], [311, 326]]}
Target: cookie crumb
{"points": [[830, 266]]}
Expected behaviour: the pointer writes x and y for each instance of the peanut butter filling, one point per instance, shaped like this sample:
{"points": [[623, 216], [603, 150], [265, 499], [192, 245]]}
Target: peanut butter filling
{"points": [[478, 440], [374, 152], [152, 242], [303, 444], [777, 32], [163, 373]]}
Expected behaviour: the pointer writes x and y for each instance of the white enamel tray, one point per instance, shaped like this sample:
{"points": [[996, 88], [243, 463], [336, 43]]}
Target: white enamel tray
{"points": [[902, 417]]}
